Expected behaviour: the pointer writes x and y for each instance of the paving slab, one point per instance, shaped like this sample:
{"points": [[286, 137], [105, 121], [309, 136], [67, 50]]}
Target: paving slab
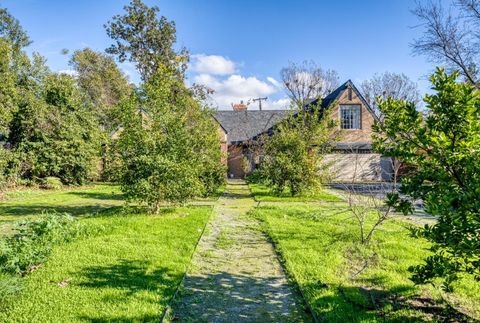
{"points": [[235, 274]]}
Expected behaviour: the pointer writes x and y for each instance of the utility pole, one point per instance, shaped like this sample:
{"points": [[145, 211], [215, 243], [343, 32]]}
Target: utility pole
{"points": [[260, 102]]}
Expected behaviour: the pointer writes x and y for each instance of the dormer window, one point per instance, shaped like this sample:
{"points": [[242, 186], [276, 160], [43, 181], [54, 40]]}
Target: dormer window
{"points": [[350, 116]]}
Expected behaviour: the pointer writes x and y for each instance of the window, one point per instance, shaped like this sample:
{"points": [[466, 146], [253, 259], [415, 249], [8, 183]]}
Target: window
{"points": [[350, 117]]}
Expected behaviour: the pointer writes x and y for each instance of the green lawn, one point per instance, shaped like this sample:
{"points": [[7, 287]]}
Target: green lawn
{"points": [[27, 203], [127, 269], [347, 282], [262, 193]]}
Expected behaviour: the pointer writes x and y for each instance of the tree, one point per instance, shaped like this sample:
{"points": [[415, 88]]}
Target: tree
{"points": [[144, 39], [442, 148], [306, 80], [103, 84], [8, 91], [389, 85], [54, 132], [365, 201], [104, 87], [451, 38], [294, 151], [171, 148], [11, 30]]}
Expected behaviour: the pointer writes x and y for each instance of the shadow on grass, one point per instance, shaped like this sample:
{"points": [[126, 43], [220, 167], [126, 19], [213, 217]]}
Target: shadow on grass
{"points": [[137, 279], [131, 276], [372, 304], [235, 195], [223, 297], [74, 210], [98, 195]]}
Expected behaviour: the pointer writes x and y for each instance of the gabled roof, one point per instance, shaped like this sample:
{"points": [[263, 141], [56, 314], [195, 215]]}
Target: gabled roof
{"points": [[245, 125], [335, 95]]}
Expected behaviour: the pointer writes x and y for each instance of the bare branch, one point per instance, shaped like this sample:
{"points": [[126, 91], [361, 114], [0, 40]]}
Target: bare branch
{"points": [[307, 80], [450, 39], [389, 85]]}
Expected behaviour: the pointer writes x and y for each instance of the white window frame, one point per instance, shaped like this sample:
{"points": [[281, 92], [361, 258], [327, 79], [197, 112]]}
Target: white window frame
{"points": [[353, 124]]}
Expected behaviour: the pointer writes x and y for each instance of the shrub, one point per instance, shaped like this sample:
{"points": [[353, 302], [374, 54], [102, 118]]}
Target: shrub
{"points": [[295, 150], [51, 183], [256, 177], [33, 242], [442, 148]]}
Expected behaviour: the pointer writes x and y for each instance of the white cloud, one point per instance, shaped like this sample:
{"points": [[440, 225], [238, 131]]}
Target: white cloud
{"points": [[221, 75], [68, 72], [235, 88], [274, 82], [213, 64], [280, 104]]}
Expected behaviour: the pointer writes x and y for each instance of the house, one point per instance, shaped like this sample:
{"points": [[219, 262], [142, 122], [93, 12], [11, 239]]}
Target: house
{"points": [[352, 157]]}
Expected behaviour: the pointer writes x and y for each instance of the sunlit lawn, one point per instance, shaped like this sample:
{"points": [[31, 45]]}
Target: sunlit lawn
{"points": [[27, 203], [263, 193], [345, 281], [127, 269]]}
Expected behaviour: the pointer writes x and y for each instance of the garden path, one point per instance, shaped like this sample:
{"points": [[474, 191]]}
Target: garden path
{"points": [[235, 273]]}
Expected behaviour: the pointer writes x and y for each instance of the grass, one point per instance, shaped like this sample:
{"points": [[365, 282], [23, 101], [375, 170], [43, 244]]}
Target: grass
{"points": [[262, 193], [28, 203], [126, 269], [344, 281]]}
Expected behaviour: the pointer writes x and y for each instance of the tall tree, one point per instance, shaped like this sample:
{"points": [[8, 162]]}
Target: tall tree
{"points": [[443, 150], [389, 85], [11, 29], [103, 84], [451, 36], [8, 91], [144, 39], [306, 80]]}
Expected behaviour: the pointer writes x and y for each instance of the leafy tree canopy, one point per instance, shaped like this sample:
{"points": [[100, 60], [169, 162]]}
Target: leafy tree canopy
{"points": [[103, 84], [143, 38], [11, 29], [54, 133], [443, 149], [170, 147]]}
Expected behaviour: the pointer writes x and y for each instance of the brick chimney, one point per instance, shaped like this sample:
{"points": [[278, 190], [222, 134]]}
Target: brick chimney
{"points": [[239, 106]]}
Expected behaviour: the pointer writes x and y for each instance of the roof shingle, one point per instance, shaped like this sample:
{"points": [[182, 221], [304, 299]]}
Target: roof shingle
{"points": [[244, 125]]}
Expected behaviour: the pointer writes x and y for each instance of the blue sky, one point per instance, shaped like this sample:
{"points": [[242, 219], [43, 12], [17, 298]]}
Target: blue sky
{"points": [[239, 47]]}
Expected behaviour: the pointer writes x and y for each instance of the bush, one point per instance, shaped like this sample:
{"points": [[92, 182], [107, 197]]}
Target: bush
{"points": [[51, 183], [257, 177], [33, 242], [294, 152]]}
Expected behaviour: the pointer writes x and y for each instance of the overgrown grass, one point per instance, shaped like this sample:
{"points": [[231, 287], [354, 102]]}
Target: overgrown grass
{"points": [[127, 271], [345, 281], [263, 193]]}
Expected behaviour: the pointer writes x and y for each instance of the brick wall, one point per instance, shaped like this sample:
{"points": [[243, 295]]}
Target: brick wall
{"points": [[354, 135], [223, 144], [235, 160]]}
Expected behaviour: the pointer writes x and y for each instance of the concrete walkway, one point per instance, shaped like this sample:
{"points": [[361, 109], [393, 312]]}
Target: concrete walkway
{"points": [[235, 275]]}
